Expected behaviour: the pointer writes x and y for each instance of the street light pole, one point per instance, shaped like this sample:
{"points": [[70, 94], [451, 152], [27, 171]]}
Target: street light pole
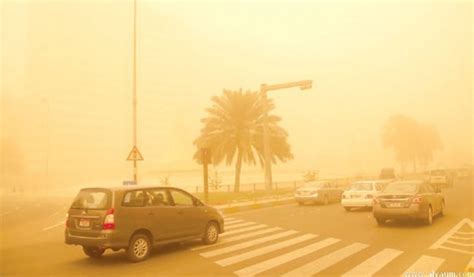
{"points": [[135, 170], [264, 88]]}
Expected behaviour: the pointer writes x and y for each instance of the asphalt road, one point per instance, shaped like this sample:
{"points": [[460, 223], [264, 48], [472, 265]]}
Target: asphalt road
{"points": [[288, 240]]}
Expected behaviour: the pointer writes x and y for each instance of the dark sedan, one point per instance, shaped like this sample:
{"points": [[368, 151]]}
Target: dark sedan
{"points": [[410, 200]]}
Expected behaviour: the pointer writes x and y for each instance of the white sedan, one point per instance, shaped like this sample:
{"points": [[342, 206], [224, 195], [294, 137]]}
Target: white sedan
{"points": [[361, 194]]}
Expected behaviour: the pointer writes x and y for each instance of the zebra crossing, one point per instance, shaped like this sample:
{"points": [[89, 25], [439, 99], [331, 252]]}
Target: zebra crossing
{"points": [[249, 249]]}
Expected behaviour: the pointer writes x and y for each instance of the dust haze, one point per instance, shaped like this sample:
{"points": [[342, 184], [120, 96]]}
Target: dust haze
{"points": [[66, 103]]}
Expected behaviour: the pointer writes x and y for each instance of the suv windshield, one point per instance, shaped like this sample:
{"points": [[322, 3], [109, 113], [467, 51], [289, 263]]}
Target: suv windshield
{"points": [[361, 186], [401, 188], [94, 199]]}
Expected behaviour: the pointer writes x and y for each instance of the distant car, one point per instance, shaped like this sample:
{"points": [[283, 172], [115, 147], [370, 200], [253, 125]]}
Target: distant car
{"points": [[463, 173], [318, 192], [408, 200], [387, 174], [440, 178], [361, 194], [136, 218]]}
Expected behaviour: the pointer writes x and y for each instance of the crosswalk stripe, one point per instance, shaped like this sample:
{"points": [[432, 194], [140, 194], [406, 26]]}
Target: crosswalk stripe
{"points": [[243, 230], [247, 244], [227, 223], [370, 266], [239, 225], [424, 264], [264, 250], [456, 250], [322, 263], [464, 233], [460, 244], [461, 238], [274, 262], [228, 218], [239, 237]]}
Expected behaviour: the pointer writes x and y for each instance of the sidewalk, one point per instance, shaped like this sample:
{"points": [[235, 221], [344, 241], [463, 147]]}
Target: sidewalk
{"points": [[250, 205]]}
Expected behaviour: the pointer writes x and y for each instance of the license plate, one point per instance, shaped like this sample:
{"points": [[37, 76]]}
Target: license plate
{"points": [[355, 196], [84, 222], [394, 205]]}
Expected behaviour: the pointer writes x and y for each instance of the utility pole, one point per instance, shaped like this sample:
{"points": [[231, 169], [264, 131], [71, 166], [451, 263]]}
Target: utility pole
{"points": [[135, 154]]}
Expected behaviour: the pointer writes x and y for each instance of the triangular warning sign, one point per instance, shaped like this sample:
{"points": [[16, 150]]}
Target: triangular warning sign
{"points": [[135, 155]]}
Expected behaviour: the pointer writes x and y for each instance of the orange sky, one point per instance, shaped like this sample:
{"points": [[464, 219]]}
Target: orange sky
{"points": [[66, 72]]}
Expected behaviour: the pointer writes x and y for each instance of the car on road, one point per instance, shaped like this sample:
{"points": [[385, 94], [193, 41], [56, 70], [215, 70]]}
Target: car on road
{"points": [[408, 200], [387, 174], [137, 218], [440, 178], [323, 192], [361, 194]]}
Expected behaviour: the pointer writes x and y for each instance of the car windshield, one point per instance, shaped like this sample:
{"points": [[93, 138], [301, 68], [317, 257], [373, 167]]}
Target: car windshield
{"points": [[94, 199], [438, 172], [401, 188], [361, 186]]}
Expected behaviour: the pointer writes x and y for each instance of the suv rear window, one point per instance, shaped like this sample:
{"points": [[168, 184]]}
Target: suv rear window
{"points": [[93, 199]]}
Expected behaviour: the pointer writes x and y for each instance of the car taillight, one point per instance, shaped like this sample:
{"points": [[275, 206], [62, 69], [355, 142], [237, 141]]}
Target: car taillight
{"points": [[416, 200], [109, 220]]}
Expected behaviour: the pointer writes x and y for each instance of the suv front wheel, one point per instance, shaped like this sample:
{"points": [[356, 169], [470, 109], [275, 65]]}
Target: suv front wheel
{"points": [[139, 248]]}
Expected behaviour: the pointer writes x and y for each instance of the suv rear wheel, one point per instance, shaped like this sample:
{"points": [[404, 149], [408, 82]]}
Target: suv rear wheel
{"points": [[93, 252], [139, 248], [211, 234]]}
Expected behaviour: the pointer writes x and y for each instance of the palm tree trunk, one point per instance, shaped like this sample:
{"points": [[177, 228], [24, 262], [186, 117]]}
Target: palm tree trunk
{"points": [[238, 167]]}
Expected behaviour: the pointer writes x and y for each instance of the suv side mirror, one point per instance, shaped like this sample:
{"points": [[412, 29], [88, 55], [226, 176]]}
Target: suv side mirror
{"points": [[197, 202]]}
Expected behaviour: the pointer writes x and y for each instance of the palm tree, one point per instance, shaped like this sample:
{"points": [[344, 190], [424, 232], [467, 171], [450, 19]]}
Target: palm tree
{"points": [[234, 128]]}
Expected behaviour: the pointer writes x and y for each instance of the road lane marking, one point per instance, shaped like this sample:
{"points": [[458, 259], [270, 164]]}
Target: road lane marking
{"points": [[462, 238], [425, 264], [239, 225], [247, 244], [243, 230], [239, 237], [464, 233], [456, 250], [285, 258], [324, 262], [453, 230], [264, 250], [470, 266], [459, 243], [54, 226], [372, 265], [226, 223]]}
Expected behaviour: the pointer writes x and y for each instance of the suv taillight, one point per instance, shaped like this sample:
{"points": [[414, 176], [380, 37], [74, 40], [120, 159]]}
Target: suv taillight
{"points": [[67, 220], [109, 220], [376, 201], [416, 200]]}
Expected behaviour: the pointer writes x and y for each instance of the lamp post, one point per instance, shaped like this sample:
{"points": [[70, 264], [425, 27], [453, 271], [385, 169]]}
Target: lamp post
{"points": [[264, 88]]}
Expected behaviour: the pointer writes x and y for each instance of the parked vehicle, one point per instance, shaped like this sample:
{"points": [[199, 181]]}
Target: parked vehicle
{"points": [[387, 174], [440, 178], [137, 218], [318, 192], [408, 200], [361, 194]]}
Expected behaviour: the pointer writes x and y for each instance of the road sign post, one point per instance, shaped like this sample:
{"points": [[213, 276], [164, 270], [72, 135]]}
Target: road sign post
{"points": [[135, 156]]}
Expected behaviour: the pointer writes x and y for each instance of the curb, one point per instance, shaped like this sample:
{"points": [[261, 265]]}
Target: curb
{"points": [[235, 208]]}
